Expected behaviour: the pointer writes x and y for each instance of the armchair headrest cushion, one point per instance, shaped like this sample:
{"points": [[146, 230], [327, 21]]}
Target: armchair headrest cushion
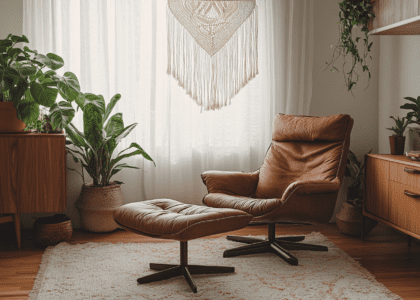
{"points": [[288, 128]]}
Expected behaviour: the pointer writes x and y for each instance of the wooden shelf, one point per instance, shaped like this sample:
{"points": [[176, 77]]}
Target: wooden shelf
{"points": [[406, 27], [395, 17]]}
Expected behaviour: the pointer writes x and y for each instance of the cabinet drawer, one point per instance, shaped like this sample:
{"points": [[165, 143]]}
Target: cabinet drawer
{"points": [[405, 174], [404, 206]]}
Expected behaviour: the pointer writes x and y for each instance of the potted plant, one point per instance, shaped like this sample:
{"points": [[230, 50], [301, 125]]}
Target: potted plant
{"points": [[349, 219], [28, 80], [397, 140], [353, 13], [94, 149]]}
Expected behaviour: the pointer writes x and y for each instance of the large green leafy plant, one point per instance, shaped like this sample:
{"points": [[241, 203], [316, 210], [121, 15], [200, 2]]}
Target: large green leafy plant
{"points": [[29, 79], [355, 170], [94, 147], [353, 13]]}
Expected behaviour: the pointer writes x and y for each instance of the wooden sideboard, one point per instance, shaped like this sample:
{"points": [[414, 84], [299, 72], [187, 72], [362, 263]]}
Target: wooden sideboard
{"points": [[33, 175], [392, 192]]}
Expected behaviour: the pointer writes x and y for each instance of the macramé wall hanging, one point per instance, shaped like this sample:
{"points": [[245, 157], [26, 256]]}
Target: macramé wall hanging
{"points": [[212, 48]]}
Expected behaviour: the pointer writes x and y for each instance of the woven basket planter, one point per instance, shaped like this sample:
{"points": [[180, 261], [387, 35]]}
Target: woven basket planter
{"points": [[96, 206], [52, 230], [349, 220]]}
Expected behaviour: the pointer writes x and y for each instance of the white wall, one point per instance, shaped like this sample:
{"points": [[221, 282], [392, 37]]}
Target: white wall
{"points": [[330, 94], [11, 17]]}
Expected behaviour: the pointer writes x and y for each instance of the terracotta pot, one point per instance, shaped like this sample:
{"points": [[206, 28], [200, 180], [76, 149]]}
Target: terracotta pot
{"points": [[349, 220], [8, 118], [96, 206], [397, 144]]}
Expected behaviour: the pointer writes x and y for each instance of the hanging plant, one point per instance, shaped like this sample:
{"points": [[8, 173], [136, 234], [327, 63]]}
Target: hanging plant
{"points": [[353, 13]]}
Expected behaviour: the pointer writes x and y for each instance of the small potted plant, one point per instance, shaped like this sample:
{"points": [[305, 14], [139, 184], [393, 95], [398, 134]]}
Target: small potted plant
{"points": [[397, 140], [27, 81], [94, 149], [349, 219]]}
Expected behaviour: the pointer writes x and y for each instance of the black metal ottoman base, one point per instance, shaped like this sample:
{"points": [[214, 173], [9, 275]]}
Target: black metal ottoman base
{"points": [[168, 271]]}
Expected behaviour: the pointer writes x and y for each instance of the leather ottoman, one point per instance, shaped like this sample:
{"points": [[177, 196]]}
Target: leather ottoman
{"points": [[170, 219]]}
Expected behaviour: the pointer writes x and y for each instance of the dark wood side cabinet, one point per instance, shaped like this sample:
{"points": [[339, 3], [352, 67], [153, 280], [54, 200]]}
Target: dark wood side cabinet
{"points": [[392, 192], [33, 175]]}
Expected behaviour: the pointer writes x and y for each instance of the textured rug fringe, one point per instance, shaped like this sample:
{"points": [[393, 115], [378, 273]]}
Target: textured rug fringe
{"points": [[46, 257]]}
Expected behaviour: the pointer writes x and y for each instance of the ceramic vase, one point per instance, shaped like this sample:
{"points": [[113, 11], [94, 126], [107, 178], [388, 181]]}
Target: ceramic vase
{"points": [[8, 118]]}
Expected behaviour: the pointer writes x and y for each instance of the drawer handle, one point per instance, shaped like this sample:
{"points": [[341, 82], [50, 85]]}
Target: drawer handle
{"points": [[413, 171], [410, 194]]}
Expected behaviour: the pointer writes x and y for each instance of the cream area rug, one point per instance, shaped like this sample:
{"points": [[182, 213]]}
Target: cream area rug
{"points": [[110, 271]]}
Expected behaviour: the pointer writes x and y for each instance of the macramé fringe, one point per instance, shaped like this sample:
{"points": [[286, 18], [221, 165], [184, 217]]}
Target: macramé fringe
{"points": [[212, 81]]}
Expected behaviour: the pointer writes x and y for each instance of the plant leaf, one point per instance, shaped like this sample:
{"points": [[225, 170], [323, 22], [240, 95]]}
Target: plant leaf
{"points": [[93, 124], [6, 81], [96, 100], [43, 95], [18, 39], [143, 153], [114, 124], [77, 138], [119, 167], [29, 50], [111, 105], [18, 91], [26, 69], [13, 52], [6, 43], [69, 87], [409, 106], [61, 114], [28, 112]]}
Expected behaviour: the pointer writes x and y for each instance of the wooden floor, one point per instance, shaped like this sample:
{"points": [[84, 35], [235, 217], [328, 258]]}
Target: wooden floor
{"points": [[384, 253]]}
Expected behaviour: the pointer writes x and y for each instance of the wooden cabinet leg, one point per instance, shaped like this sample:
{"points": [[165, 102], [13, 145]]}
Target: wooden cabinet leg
{"points": [[16, 221]]}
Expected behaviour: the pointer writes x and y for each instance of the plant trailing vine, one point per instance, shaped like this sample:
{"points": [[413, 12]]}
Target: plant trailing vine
{"points": [[353, 13]]}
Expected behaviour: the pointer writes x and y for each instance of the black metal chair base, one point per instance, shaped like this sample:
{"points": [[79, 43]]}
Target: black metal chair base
{"points": [[277, 245], [168, 271]]}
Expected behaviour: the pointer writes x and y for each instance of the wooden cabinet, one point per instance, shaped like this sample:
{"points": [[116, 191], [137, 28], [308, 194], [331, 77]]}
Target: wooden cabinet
{"points": [[395, 17], [392, 192], [32, 173]]}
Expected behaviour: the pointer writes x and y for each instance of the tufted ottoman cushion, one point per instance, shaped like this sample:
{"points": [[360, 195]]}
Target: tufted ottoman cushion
{"points": [[170, 219]]}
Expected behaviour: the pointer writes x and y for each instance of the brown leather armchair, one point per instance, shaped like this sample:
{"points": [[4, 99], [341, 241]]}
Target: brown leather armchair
{"points": [[298, 182]]}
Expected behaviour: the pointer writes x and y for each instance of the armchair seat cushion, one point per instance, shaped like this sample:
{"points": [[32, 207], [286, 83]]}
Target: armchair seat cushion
{"points": [[170, 219], [253, 206]]}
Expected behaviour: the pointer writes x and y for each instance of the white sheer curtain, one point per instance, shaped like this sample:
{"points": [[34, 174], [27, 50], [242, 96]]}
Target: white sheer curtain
{"points": [[119, 46]]}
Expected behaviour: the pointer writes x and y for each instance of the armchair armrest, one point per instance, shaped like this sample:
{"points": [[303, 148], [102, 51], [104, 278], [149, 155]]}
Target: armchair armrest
{"points": [[231, 183], [307, 187]]}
